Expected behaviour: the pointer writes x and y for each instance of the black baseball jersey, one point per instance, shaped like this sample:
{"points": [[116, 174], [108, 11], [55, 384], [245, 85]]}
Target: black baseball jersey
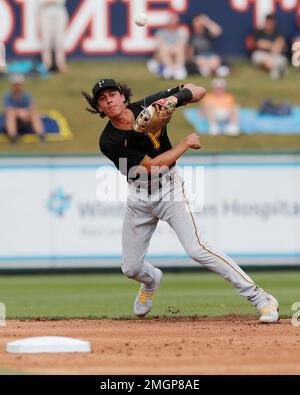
{"points": [[127, 148]]}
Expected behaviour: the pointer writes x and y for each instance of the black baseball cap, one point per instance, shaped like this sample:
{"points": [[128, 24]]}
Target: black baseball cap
{"points": [[103, 84]]}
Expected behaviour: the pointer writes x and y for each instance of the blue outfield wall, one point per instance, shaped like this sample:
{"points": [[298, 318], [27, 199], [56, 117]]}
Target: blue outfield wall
{"points": [[105, 28]]}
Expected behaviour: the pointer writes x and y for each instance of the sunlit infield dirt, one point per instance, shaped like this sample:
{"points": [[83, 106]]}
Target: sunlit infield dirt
{"points": [[228, 345]]}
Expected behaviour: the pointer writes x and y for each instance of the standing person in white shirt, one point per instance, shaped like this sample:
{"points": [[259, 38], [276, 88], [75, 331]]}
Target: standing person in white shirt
{"points": [[53, 22]]}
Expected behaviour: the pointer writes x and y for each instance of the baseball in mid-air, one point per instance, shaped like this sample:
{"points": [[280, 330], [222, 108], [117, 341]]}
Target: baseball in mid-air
{"points": [[141, 19]]}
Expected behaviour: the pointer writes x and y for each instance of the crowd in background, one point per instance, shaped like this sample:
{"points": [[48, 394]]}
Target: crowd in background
{"points": [[179, 51], [19, 110]]}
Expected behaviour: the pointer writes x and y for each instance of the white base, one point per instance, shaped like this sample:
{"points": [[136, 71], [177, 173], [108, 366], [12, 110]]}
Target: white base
{"points": [[48, 344]]}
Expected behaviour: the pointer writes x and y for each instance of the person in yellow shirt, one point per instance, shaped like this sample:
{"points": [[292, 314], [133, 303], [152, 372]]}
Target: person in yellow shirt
{"points": [[220, 106]]}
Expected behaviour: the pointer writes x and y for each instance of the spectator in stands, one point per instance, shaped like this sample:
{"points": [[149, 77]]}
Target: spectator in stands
{"points": [[295, 42], [295, 37], [269, 48], [201, 51], [220, 107], [20, 112], [296, 34], [53, 22], [170, 53]]}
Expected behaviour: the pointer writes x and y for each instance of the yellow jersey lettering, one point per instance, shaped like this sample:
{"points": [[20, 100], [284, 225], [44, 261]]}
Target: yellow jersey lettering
{"points": [[154, 138]]}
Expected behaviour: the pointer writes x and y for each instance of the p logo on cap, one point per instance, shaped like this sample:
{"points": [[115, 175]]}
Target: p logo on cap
{"points": [[103, 84]]}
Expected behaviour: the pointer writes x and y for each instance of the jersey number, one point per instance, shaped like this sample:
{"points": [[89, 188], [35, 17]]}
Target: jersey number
{"points": [[154, 138]]}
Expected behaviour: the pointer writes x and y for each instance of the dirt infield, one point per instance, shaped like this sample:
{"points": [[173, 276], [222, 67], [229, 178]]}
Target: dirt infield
{"points": [[229, 345]]}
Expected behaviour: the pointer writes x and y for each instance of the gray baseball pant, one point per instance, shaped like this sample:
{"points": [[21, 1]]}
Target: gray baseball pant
{"points": [[140, 221]]}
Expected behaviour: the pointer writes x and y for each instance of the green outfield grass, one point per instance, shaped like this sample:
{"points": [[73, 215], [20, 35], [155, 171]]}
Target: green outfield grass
{"points": [[112, 295], [62, 93], [8, 372]]}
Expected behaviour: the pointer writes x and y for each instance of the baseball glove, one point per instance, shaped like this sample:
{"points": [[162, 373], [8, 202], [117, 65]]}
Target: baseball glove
{"points": [[154, 117]]}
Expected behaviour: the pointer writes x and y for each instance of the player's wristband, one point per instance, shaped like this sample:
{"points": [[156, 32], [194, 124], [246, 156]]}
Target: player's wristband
{"points": [[183, 96]]}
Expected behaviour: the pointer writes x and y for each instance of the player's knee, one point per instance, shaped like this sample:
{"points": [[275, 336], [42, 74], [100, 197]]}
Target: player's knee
{"points": [[130, 271]]}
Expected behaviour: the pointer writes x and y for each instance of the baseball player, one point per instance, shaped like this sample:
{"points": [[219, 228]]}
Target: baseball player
{"points": [[135, 139]]}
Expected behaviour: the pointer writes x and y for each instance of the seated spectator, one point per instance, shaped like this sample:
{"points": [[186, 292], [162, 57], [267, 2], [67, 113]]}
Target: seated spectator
{"points": [[295, 43], [295, 37], [200, 48], [19, 111], [169, 57], [269, 48], [220, 107]]}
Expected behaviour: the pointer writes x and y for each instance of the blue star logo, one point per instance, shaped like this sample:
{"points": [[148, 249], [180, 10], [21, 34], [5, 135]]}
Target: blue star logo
{"points": [[59, 202]]}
